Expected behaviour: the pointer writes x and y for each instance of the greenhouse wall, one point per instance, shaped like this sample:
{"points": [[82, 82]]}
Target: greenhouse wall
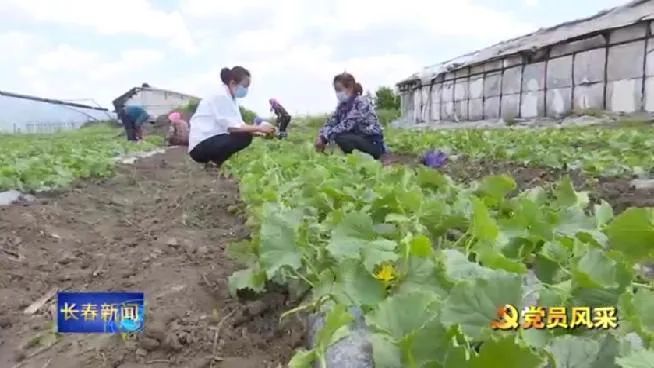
{"points": [[28, 114], [605, 62]]}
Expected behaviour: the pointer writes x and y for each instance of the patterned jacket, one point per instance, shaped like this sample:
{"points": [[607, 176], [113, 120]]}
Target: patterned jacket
{"points": [[356, 115]]}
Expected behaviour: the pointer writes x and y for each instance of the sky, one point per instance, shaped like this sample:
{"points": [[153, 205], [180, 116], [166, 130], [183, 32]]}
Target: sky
{"points": [[80, 49]]}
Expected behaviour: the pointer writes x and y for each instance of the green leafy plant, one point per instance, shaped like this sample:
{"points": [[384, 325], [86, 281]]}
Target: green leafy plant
{"points": [[596, 151], [386, 116], [248, 115], [387, 99], [41, 162], [358, 234]]}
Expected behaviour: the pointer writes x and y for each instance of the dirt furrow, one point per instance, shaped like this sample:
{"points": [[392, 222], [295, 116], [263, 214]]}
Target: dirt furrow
{"points": [[160, 226]]}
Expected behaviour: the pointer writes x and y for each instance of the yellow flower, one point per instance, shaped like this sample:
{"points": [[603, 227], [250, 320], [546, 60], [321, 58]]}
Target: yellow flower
{"points": [[386, 273]]}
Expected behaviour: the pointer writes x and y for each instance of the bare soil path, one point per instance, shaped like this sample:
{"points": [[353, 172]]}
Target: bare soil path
{"points": [[159, 226]]}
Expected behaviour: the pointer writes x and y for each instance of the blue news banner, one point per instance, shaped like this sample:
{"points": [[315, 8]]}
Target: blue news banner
{"points": [[100, 312]]}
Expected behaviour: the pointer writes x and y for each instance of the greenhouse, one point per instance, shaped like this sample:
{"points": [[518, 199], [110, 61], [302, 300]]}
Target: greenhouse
{"points": [[603, 62], [29, 114]]}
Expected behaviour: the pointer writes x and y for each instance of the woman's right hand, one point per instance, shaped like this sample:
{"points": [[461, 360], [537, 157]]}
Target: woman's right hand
{"points": [[265, 129]]}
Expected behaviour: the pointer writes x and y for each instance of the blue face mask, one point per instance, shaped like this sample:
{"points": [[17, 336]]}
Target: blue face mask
{"points": [[341, 96], [240, 91]]}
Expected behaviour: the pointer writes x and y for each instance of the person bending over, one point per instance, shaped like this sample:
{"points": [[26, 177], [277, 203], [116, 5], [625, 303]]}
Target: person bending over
{"points": [[133, 118], [178, 132], [283, 118], [354, 124], [217, 129]]}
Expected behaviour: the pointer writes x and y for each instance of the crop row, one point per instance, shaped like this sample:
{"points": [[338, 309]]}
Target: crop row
{"points": [[41, 162], [598, 151], [429, 261]]}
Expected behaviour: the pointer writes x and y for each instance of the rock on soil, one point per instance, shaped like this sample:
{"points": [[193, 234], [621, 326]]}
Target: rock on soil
{"points": [[353, 351], [12, 197], [159, 226]]}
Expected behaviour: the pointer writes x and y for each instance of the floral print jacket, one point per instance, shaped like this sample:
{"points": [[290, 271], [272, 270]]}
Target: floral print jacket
{"points": [[356, 115]]}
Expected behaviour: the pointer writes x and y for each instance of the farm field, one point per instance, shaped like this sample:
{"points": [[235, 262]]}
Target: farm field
{"points": [[38, 162], [427, 257], [600, 160], [593, 150]]}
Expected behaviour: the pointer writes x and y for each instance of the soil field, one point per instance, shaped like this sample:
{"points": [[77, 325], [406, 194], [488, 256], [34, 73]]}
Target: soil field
{"points": [[159, 226]]}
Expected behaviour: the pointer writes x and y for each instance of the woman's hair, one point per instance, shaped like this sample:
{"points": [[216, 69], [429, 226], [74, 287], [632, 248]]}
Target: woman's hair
{"points": [[235, 74], [346, 79], [358, 89]]}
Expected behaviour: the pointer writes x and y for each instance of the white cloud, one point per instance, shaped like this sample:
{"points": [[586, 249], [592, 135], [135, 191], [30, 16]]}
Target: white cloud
{"points": [[440, 17], [286, 64], [67, 72], [301, 77], [130, 61], [292, 47], [531, 3], [66, 58], [16, 45], [212, 9], [106, 17]]}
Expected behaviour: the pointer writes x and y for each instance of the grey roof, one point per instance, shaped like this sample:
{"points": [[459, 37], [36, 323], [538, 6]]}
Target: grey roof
{"points": [[630, 13], [120, 100]]}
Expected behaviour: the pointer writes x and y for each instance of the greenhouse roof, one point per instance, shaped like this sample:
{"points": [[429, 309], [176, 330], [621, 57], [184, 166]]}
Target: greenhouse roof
{"points": [[625, 15], [52, 101]]}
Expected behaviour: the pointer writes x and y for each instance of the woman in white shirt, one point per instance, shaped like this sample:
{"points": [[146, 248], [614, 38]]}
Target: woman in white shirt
{"points": [[217, 128]]}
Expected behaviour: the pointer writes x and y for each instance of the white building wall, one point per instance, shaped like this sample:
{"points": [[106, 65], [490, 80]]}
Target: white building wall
{"points": [[417, 105], [158, 102], [426, 104]]}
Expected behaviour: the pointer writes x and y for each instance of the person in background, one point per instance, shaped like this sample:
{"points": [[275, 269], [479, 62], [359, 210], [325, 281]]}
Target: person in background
{"points": [[178, 132], [217, 129], [354, 124], [133, 117], [283, 118]]}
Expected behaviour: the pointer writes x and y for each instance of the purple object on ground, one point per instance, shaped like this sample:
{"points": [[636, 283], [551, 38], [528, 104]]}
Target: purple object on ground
{"points": [[258, 120], [435, 159]]}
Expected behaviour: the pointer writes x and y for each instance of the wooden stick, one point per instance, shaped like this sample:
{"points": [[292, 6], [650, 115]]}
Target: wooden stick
{"points": [[34, 307]]}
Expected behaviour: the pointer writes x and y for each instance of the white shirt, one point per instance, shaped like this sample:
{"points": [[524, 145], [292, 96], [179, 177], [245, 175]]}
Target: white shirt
{"points": [[215, 115]]}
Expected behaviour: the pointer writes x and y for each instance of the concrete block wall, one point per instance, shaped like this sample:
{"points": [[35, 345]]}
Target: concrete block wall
{"points": [[612, 70]]}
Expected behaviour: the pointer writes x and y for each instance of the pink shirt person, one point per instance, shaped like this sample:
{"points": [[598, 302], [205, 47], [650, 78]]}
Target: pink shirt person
{"points": [[179, 130]]}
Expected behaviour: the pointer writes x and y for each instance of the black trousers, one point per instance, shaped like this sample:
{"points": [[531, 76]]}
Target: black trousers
{"points": [[283, 122], [351, 141], [219, 148], [130, 127]]}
